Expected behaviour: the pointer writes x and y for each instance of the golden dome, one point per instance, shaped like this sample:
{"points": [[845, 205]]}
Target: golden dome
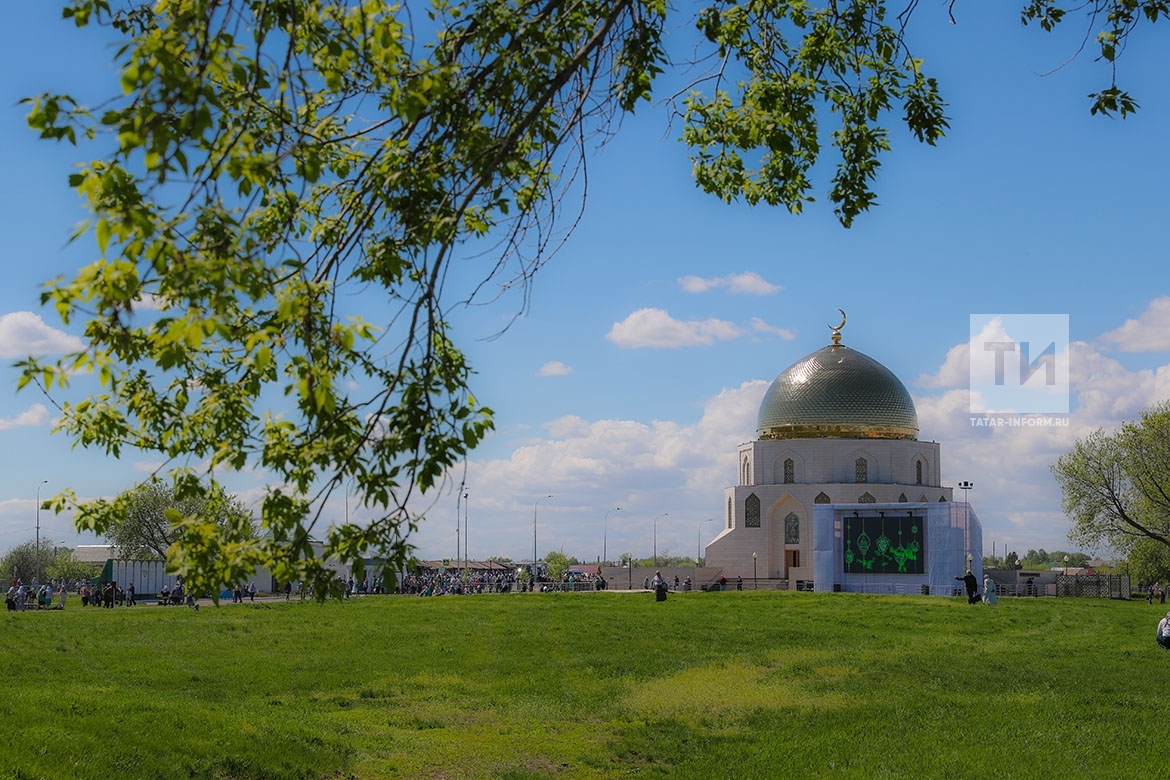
{"points": [[837, 393]]}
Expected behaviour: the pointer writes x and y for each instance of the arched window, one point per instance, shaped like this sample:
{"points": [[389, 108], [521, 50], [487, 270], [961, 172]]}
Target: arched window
{"points": [[822, 498], [923, 497], [866, 498], [751, 511], [917, 472], [789, 471], [729, 513], [792, 529], [902, 498], [942, 499], [745, 477], [861, 470]]}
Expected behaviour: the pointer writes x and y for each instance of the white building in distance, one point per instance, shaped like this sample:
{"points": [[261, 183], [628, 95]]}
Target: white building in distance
{"points": [[837, 492]]}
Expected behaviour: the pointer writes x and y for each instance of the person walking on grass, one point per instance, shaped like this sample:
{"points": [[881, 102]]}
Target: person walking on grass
{"points": [[972, 586], [660, 586], [989, 596]]}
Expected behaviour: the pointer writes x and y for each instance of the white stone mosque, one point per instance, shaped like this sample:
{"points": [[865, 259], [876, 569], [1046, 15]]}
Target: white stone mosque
{"points": [[837, 493]]}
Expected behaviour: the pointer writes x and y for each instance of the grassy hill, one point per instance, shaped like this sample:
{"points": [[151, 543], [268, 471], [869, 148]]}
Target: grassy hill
{"points": [[593, 685]]}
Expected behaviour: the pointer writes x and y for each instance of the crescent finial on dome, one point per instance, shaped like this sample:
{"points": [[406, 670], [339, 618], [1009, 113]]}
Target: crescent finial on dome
{"points": [[837, 330]]}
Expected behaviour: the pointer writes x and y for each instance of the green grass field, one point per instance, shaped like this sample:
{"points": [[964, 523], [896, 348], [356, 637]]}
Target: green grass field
{"points": [[593, 685]]}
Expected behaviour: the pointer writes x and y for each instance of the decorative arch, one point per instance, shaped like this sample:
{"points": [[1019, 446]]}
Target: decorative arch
{"points": [[923, 498], [745, 472], [787, 468], [822, 498], [784, 519], [860, 465], [866, 498], [751, 511], [942, 499], [902, 498], [923, 469], [792, 528]]}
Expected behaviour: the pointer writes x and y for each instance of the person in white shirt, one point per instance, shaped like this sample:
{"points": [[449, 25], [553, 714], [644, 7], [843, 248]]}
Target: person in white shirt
{"points": [[1164, 632]]}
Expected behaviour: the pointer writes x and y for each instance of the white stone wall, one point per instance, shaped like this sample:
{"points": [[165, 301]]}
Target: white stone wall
{"points": [[819, 466], [818, 461]]}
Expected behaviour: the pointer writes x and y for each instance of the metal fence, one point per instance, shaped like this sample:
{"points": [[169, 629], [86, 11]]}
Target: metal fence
{"points": [[1093, 586]]}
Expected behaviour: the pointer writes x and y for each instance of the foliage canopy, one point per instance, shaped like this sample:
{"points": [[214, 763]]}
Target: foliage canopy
{"points": [[56, 563], [150, 518], [1116, 487]]}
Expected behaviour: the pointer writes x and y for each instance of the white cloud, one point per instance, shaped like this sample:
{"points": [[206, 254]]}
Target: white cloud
{"points": [[1107, 391], [749, 283], [149, 302], [1148, 333], [554, 368], [24, 333], [955, 370], [35, 415], [656, 328], [759, 326], [592, 466], [18, 524]]}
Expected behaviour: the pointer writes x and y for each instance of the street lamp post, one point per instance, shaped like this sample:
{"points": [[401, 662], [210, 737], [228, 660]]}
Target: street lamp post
{"points": [[458, 504], [466, 536], [37, 578], [755, 579], [664, 514], [699, 548], [965, 486], [534, 507], [347, 486], [604, 525]]}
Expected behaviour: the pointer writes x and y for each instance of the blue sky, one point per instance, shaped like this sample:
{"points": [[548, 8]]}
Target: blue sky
{"points": [[651, 337]]}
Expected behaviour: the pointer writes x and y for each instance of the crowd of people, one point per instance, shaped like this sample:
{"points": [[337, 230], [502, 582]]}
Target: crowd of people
{"points": [[45, 595], [55, 594], [451, 582], [421, 583], [457, 583]]}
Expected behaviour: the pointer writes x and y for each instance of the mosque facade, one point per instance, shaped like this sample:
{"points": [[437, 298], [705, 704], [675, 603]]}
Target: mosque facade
{"points": [[837, 492]]}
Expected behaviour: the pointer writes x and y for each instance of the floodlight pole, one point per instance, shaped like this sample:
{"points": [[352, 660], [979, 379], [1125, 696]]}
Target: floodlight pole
{"points": [[755, 579], [37, 577], [664, 514], [604, 525], [534, 508], [699, 548], [965, 486]]}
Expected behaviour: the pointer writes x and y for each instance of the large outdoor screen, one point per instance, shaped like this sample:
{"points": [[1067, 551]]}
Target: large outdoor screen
{"points": [[884, 545]]}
